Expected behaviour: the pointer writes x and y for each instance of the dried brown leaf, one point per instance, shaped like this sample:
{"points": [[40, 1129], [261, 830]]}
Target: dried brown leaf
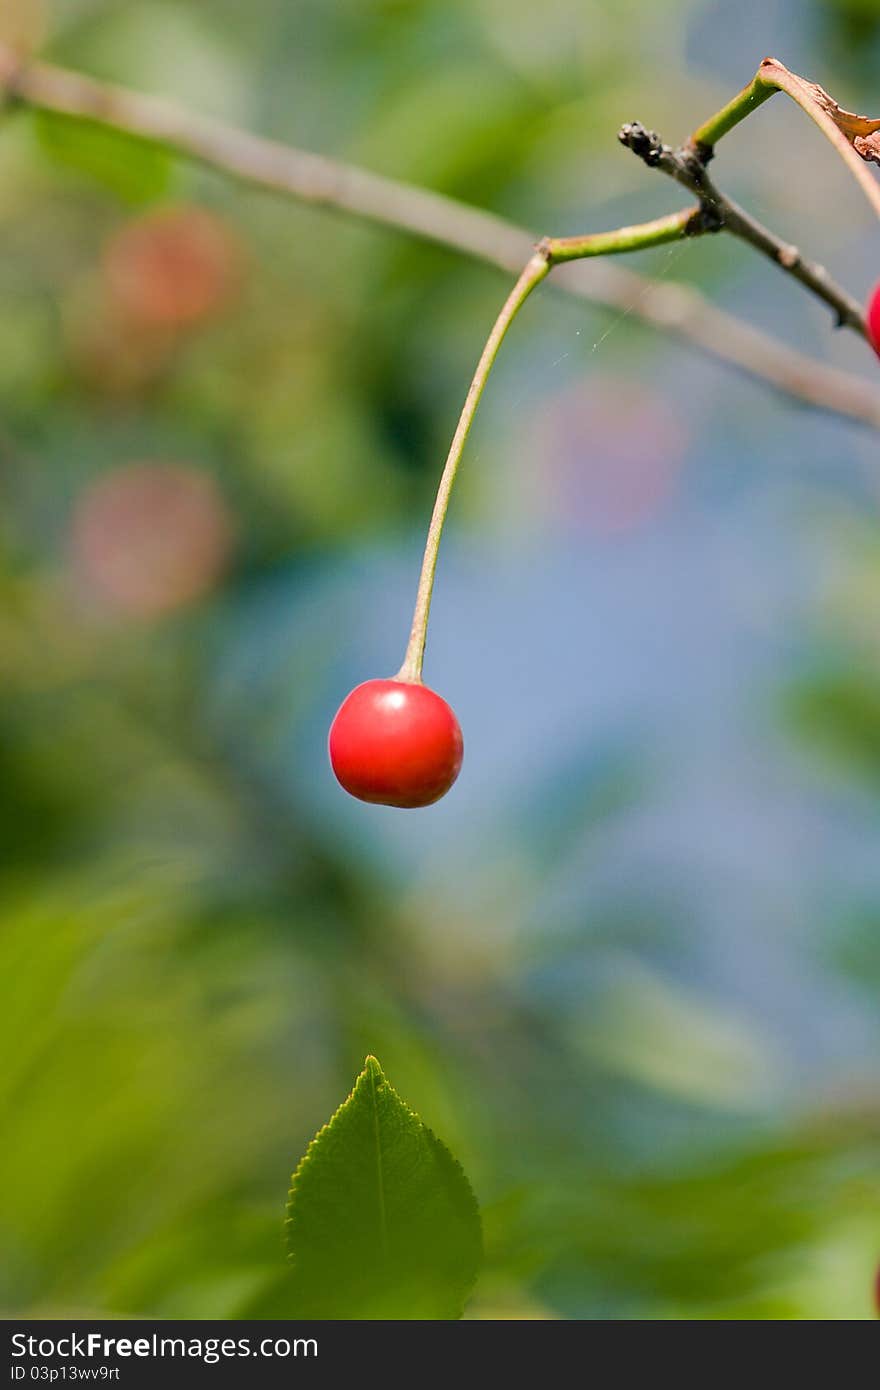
{"points": [[862, 132], [868, 146]]}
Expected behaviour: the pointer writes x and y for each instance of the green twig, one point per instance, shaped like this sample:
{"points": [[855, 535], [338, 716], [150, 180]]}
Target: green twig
{"points": [[773, 76], [706, 136], [688, 222]]}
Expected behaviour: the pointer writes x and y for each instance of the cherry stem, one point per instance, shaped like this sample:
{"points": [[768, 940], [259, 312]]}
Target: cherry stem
{"points": [[535, 271], [549, 252]]}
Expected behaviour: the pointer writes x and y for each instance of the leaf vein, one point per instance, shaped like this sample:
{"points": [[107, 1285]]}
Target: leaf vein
{"points": [[383, 1218]]}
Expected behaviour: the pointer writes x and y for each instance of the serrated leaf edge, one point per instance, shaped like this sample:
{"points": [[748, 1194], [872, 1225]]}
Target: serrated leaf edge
{"points": [[372, 1068]]}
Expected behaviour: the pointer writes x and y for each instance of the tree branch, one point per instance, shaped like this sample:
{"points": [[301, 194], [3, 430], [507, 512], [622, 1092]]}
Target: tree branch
{"points": [[688, 168], [315, 179]]}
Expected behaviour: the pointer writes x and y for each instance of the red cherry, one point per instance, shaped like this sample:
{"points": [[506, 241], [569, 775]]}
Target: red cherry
{"points": [[874, 318], [396, 743], [171, 267]]}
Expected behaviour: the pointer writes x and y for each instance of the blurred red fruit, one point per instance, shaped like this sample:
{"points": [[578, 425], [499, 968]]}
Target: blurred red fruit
{"points": [[150, 537], [172, 267], [613, 449]]}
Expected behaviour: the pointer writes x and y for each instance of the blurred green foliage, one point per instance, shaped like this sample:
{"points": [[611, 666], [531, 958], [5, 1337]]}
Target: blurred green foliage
{"points": [[195, 956]]}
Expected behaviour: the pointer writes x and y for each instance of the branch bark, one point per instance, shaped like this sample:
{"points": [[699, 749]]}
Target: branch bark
{"points": [[315, 179], [688, 168]]}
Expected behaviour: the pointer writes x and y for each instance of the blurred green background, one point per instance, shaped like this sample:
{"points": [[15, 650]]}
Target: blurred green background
{"points": [[630, 968]]}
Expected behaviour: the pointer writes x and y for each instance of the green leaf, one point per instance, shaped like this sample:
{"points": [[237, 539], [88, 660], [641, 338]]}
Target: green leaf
{"points": [[136, 170], [381, 1220]]}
